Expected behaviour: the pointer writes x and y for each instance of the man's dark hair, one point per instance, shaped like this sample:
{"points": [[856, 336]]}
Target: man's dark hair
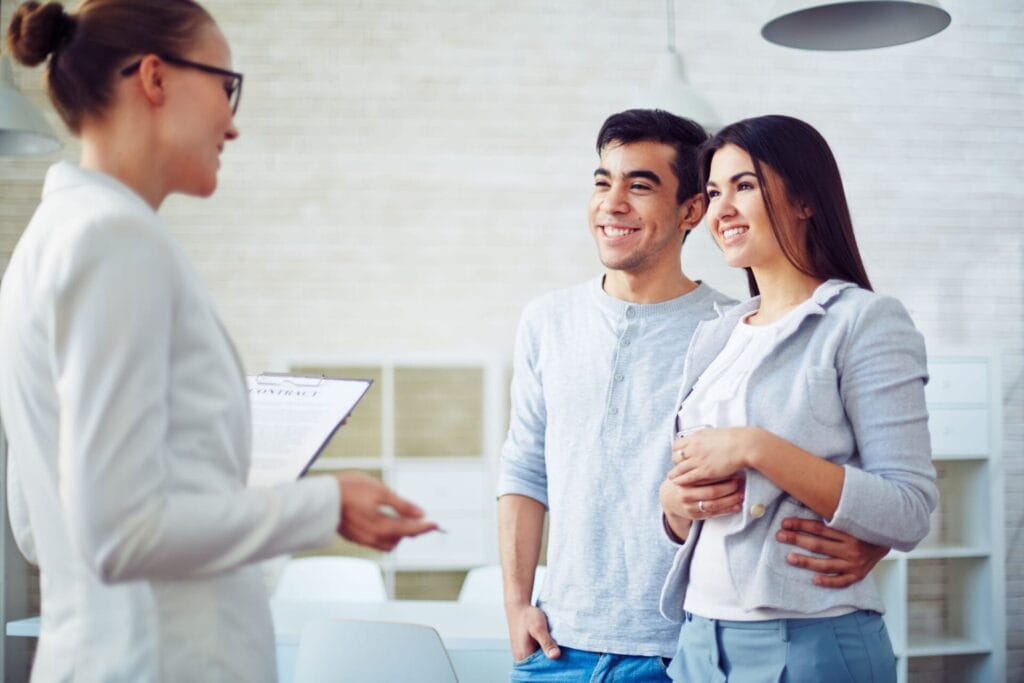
{"points": [[655, 125]]}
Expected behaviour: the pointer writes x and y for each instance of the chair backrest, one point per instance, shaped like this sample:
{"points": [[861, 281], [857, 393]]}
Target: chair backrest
{"points": [[371, 652], [483, 585], [350, 579]]}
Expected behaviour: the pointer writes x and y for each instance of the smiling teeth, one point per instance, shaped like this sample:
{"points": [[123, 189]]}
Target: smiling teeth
{"points": [[732, 232], [616, 232]]}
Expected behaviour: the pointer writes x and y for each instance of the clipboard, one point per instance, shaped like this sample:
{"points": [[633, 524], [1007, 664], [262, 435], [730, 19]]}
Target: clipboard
{"points": [[293, 418]]}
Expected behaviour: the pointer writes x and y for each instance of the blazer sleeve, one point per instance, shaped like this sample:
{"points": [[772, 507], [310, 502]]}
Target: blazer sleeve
{"points": [[112, 322], [889, 497], [17, 511], [523, 469]]}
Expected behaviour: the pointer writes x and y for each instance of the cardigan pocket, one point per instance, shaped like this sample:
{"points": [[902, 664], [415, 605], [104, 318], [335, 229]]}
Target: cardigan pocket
{"points": [[826, 406]]}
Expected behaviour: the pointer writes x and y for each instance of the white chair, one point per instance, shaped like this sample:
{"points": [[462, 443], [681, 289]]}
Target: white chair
{"points": [[371, 652], [483, 585], [350, 579]]}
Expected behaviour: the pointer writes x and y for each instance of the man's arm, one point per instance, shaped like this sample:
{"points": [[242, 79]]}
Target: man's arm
{"points": [[849, 559], [520, 529]]}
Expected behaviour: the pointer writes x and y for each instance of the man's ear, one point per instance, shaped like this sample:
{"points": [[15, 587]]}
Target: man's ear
{"points": [[151, 75], [691, 211]]}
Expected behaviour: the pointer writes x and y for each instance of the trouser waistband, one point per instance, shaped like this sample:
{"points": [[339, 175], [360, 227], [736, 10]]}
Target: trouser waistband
{"points": [[781, 626]]}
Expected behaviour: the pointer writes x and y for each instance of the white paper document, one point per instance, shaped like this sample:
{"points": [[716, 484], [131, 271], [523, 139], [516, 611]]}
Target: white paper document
{"points": [[293, 418]]}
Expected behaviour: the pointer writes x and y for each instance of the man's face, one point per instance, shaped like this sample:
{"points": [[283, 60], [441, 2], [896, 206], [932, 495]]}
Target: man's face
{"points": [[633, 213]]}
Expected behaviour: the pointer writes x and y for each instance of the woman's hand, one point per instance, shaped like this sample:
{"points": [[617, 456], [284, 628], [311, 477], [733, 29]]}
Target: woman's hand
{"points": [[683, 504], [710, 456], [374, 516]]}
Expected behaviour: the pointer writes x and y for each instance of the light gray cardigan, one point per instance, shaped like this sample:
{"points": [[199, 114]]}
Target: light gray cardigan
{"points": [[846, 384]]}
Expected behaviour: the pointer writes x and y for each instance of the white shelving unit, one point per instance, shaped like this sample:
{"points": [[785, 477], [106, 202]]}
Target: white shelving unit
{"points": [[435, 429], [945, 600]]}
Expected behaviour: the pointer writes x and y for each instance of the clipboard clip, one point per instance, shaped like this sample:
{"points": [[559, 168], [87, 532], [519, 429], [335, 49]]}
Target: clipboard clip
{"points": [[281, 378]]}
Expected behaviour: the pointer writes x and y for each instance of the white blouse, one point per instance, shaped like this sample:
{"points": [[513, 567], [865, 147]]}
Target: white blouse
{"points": [[718, 399]]}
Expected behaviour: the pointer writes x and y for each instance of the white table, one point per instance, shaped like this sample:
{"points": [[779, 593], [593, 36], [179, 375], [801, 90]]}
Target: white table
{"points": [[475, 635]]}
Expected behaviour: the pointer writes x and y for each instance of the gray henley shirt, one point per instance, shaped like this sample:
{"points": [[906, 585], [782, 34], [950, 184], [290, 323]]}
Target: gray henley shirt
{"points": [[593, 398]]}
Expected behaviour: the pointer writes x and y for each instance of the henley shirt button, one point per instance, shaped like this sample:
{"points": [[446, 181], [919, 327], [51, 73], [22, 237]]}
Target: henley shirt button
{"points": [[625, 341], [614, 411], [630, 312], [619, 378], [757, 510]]}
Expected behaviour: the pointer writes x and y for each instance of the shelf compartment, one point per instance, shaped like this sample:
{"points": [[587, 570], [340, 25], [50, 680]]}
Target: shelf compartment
{"points": [[438, 411], [961, 524], [951, 669], [432, 585], [360, 437], [943, 596]]}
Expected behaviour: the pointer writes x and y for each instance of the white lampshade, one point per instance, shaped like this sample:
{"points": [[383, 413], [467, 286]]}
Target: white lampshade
{"points": [[672, 92], [853, 24], [23, 130]]}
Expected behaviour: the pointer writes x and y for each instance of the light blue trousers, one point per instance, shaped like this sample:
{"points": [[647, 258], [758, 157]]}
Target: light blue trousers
{"points": [[853, 648], [581, 666]]}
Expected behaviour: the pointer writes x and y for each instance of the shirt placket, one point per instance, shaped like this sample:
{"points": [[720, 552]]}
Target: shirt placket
{"points": [[615, 405]]}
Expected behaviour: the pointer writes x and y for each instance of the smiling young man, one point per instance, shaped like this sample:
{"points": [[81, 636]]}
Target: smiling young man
{"points": [[596, 372]]}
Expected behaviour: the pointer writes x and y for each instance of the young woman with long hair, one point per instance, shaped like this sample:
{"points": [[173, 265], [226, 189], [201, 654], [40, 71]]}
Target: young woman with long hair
{"points": [[805, 401]]}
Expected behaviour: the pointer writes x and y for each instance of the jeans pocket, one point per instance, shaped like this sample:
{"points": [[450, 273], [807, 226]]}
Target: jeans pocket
{"points": [[532, 657]]}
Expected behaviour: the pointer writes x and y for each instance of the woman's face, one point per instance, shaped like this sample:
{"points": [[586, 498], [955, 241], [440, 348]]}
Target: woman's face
{"points": [[199, 120], [738, 216]]}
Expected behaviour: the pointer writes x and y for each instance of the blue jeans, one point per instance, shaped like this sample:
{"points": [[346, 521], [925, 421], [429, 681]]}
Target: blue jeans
{"points": [[581, 666], [853, 648]]}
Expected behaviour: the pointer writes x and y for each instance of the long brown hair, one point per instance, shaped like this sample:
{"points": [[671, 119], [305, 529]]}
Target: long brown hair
{"points": [[87, 47], [801, 158]]}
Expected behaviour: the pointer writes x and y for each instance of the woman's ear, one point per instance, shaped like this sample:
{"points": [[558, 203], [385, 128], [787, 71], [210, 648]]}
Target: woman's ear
{"points": [[804, 210], [151, 75]]}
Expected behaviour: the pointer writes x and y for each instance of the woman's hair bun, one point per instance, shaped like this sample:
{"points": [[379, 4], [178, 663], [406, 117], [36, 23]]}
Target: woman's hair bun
{"points": [[37, 30]]}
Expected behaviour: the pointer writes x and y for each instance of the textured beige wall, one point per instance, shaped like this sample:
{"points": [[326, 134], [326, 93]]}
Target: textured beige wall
{"points": [[411, 172]]}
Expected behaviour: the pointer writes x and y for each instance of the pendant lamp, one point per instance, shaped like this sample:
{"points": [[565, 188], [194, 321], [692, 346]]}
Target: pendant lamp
{"points": [[853, 24], [671, 91]]}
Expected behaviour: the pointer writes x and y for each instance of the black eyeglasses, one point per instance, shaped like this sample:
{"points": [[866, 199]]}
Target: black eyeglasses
{"points": [[232, 89]]}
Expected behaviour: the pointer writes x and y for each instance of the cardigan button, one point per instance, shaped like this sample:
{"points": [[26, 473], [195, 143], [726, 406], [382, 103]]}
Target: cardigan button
{"points": [[757, 510]]}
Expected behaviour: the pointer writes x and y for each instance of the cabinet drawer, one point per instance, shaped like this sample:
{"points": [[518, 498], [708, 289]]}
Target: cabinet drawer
{"points": [[957, 382], [443, 487], [959, 431], [462, 546]]}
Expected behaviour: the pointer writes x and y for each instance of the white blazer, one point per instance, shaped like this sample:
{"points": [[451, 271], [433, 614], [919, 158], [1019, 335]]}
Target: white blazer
{"points": [[129, 437]]}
